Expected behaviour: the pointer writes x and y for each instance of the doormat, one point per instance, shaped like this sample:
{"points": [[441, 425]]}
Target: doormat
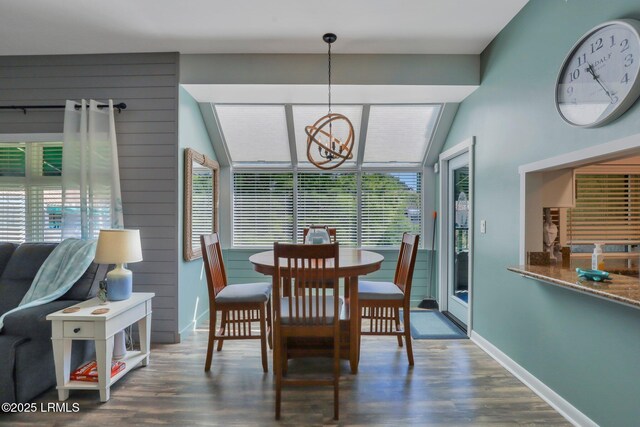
{"points": [[433, 325]]}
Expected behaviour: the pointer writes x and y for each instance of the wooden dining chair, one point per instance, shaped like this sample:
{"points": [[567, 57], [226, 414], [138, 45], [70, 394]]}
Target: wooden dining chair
{"points": [[240, 305], [332, 232], [303, 307], [380, 302]]}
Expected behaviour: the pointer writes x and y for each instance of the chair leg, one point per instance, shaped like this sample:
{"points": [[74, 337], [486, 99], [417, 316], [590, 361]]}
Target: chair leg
{"points": [[285, 358], [223, 327], [263, 340], [336, 377], [269, 325], [212, 335], [277, 365], [397, 313], [407, 335]]}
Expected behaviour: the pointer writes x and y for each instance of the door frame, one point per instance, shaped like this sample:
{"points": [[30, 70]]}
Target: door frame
{"points": [[466, 146]]}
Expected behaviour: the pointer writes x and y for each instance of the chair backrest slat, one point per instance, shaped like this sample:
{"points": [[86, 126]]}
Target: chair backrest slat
{"points": [[406, 263], [213, 264], [301, 280]]}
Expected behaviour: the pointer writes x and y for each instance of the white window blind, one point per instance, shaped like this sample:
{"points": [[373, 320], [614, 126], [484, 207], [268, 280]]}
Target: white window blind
{"points": [[262, 208], [391, 205], [607, 209], [30, 192], [329, 199]]}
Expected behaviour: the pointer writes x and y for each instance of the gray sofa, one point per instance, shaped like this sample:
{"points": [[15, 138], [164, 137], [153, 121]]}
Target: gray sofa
{"points": [[26, 354]]}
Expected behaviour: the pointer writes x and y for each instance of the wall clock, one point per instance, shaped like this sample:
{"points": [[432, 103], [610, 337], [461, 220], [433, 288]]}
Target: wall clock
{"points": [[600, 77]]}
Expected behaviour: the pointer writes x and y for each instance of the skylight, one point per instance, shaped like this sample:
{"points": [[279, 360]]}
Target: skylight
{"points": [[305, 115], [255, 133], [264, 135], [399, 133]]}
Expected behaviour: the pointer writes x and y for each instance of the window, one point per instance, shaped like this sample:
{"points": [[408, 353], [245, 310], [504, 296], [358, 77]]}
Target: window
{"points": [[265, 208], [391, 205], [329, 199], [262, 208], [606, 209], [30, 192]]}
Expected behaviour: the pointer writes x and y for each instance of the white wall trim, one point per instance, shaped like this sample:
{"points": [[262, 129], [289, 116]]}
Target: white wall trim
{"points": [[598, 153], [557, 402], [443, 162]]}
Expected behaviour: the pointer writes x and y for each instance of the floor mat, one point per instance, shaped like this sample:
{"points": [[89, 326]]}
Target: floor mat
{"points": [[431, 324]]}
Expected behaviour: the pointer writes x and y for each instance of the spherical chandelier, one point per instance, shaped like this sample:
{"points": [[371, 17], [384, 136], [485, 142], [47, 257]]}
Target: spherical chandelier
{"points": [[330, 139]]}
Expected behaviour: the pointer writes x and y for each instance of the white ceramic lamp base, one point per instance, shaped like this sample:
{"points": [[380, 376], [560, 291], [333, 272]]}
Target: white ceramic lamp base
{"points": [[119, 283]]}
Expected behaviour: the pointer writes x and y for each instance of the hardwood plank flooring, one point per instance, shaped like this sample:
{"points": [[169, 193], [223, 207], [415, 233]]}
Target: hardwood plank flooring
{"points": [[453, 383]]}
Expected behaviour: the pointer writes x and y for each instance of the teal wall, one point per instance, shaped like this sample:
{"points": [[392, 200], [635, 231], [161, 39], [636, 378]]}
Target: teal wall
{"points": [[240, 270], [586, 349], [193, 300]]}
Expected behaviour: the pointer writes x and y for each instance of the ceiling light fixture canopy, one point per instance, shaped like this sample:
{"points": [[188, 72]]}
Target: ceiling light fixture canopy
{"points": [[330, 139]]}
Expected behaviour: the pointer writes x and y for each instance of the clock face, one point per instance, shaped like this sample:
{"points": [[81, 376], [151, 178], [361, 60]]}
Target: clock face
{"points": [[599, 79]]}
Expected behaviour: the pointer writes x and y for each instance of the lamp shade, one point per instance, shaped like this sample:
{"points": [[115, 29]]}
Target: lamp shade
{"points": [[118, 247]]}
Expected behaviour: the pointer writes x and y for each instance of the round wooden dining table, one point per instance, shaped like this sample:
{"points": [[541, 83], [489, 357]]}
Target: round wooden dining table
{"points": [[352, 263]]}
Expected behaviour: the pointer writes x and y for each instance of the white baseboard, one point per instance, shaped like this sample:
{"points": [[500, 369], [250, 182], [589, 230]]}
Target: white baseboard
{"points": [[566, 409], [186, 331]]}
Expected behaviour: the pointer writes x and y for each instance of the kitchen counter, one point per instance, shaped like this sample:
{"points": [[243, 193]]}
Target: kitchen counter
{"points": [[621, 289]]}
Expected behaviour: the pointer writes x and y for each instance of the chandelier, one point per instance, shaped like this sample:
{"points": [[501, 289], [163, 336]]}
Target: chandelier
{"points": [[330, 138]]}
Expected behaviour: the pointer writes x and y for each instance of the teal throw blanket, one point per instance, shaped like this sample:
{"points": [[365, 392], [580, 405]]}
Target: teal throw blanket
{"points": [[59, 272]]}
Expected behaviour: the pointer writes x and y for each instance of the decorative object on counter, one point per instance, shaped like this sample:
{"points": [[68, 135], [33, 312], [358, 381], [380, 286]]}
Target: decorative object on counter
{"points": [[597, 258], [119, 247], [539, 258], [100, 311], [593, 275], [327, 147], [549, 234], [566, 256], [102, 292], [70, 310]]}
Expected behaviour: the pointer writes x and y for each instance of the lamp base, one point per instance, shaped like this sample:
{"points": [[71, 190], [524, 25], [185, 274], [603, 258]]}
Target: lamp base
{"points": [[119, 347], [119, 283]]}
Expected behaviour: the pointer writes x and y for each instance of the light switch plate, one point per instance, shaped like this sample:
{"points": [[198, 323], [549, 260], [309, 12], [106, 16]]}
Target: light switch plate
{"points": [[483, 226]]}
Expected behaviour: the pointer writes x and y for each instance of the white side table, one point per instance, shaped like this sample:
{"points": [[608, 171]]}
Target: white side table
{"points": [[82, 325]]}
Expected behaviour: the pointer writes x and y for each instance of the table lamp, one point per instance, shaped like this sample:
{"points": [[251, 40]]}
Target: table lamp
{"points": [[118, 247]]}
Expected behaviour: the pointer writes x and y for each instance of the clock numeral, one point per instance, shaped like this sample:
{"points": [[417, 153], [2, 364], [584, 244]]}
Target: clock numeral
{"points": [[613, 41], [597, 45], [614, 99], [628, 60], [574, 74], [624, 44], [625, 79], [570, 90], [582, 59]]}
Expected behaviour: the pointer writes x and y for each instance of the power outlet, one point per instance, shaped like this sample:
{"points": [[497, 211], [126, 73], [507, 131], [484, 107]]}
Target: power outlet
{"points": [[483, 226]]}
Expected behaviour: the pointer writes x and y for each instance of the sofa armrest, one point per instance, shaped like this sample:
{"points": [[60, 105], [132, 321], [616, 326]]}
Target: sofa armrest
{"points": [[32, 322]]}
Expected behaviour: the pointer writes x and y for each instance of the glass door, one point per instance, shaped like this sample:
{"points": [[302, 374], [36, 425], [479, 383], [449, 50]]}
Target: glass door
{"points": [[458, 234]]}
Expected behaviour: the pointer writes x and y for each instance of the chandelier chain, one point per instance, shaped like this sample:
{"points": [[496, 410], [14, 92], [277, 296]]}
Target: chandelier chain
{"points": [[329, 77]]}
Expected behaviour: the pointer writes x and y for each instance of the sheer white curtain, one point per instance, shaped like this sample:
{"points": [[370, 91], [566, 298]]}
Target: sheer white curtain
{"points": [[91, 198]]}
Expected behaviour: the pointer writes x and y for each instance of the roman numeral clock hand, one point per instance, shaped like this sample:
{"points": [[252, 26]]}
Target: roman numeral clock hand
{"points": [[592, 71]]}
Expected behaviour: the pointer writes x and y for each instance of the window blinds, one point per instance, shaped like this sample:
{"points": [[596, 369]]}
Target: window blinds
{"points": [[262, 208], [30, 192], [607, 209], [328, 199], [391, 205]]}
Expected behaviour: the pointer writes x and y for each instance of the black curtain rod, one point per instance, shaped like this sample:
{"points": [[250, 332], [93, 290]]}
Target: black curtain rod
{"points": [[121, 106]]}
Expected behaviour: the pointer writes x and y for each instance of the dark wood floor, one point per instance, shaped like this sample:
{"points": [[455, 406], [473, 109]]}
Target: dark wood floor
{"points": [[452, 383]]}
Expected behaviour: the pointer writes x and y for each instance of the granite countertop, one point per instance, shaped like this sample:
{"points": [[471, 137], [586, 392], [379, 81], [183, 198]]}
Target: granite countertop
{"points": [[622, 289]]}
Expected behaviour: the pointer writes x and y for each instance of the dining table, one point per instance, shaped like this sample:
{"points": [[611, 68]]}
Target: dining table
{"points": [[352, 264]]}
